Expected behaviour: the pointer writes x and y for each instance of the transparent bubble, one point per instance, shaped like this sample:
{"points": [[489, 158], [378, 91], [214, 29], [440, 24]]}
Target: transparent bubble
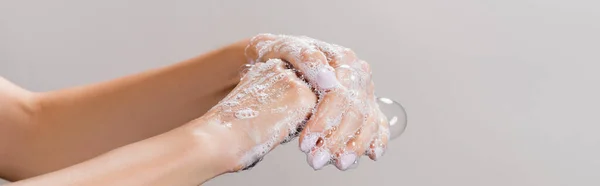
{"points": [[396, 115]]}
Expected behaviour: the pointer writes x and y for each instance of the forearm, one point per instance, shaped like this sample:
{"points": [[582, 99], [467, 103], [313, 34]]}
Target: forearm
{"points": [[175, 158], [76, 124], [15, 115]]}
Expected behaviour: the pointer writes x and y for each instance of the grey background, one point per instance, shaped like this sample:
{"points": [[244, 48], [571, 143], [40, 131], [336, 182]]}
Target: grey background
{"points": [[499, 92]]}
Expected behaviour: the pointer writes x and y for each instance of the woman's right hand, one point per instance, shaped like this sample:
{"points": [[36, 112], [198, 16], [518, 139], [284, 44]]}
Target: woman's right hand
{"points": [[263, 110]]}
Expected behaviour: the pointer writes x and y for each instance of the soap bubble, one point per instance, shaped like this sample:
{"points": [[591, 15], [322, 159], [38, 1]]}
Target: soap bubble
{"points": [[395, 114]]}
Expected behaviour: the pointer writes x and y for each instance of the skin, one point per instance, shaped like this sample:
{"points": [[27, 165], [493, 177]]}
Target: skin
{"points": [[72, 125], [196, 151], [117, 132], [348, 122]]}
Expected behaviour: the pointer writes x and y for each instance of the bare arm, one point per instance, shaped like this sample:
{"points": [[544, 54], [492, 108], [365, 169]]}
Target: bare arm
{"points": [[48, 131], [178, 157], [228, 138], [52, 130]]}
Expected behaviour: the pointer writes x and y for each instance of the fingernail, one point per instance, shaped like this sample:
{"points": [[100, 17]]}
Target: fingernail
{"points": [[319, 159], [308, 142], [379, 151], [326, 78], [346, 161]]}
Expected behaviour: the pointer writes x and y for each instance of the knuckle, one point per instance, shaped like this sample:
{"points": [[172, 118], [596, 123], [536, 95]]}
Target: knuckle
{"points": [[262, 37], [314, 61], [347, 52], [364, 66], [298, 48], [260, 44], [312, 58]]}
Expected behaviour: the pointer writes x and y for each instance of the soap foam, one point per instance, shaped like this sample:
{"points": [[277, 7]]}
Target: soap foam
{"points": [[356, 94], [246, 113]]}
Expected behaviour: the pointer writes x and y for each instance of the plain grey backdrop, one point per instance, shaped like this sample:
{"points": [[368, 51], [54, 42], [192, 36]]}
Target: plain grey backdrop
{"points": [[498, 92]]}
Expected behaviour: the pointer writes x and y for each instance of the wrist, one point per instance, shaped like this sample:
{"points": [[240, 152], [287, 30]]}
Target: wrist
{"points": [[184, 155], [211, 145]]}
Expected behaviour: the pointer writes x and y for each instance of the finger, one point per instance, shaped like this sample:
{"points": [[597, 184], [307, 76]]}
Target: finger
{"points": [[257, 45], [337, 55], [302, 54], [355, 72], [321, 123], [363, 137], [342, 142], [353, 77], [378, 146], [320, 126], [328, 115]]}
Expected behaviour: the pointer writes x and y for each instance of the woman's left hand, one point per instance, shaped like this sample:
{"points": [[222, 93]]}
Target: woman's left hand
{"points": [[347, 123]]}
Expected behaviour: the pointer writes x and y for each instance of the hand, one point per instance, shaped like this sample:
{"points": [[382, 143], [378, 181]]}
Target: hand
{"points": [[347, 122], [264, 110]]}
